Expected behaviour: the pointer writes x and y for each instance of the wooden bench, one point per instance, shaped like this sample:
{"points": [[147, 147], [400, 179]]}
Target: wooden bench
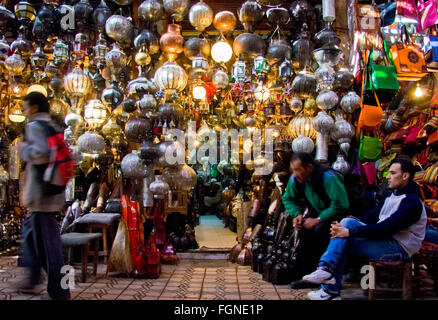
{"points": [[76, 239]]}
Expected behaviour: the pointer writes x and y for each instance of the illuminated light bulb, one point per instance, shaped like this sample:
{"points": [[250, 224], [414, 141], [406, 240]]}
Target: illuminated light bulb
{"points": [[199, 92], [418, 92], [37, 88], [221, 52], [261, 93], [197, 143], [251, 129], [15, 114]]}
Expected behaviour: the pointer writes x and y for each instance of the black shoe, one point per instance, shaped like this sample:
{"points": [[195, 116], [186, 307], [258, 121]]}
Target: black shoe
{"points": [[300, 284]]}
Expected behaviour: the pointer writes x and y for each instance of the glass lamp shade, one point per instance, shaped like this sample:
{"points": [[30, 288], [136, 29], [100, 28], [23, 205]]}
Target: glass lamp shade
{"points": [[276, 95], [77, 85], [39, 60], [220, 79], [171, 77], [199, 92], [262, 94], [16, 114], [200, 15], [116, 59], [199, 64], [37, 88], [95, 113], [221, 52], [100, 49], [261, 65], [60, 52]]}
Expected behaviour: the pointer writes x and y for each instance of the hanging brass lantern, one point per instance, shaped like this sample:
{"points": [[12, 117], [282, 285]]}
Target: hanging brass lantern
{"points": [[119, 28], [15, 64], [77, 85], [200, 15], [301, 125], [150, 11], [172, 42], [177, 9], [250, 14], [171, 77], [225, 21], [60, 52]]}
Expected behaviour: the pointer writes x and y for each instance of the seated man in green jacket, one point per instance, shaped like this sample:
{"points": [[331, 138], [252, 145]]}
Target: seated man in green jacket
{"points": [[314, 197]]}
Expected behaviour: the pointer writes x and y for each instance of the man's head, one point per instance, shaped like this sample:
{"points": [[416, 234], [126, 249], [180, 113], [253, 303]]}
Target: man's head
{"points": [[401, 172], [35, 102], [302, 166]]}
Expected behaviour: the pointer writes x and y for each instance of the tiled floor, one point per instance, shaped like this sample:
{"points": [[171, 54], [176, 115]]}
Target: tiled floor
{"points": [[190, 280], [210, 233]]}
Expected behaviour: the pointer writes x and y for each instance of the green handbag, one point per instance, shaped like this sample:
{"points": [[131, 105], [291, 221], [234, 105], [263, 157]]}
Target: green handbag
{"points": [[382, 77], [370, 149]]}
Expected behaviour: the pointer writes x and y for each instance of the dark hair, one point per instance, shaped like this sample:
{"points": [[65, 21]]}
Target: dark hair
{"points": [[36, 98], [304, 157], [406, 165]]}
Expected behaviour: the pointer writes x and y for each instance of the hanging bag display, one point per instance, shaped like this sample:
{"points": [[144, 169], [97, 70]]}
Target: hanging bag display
{"points": [[409, 61], [427, 14], [431, 55], [387, 13], [370, 148], [370, 116], [407, 9]]}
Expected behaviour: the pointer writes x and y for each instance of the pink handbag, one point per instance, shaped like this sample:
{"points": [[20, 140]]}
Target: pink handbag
{"points": [[407, 9], [370, 172], [427, 13]]}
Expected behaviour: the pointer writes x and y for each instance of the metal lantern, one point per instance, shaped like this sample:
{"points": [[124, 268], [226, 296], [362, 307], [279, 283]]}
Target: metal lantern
{"points": [[80, 46], [342, 133], [95, 113], [200, 15], [133, 167], [344, 79], [310, 107], [148, 39], [150, 11], [302, 144], [180, 178], [197, 47], [250, 14], [119, 28], [248, 45], [225, 21], [100, 15], [140, 86], [111, 129], [296, 104], [323, 124], [91, 142], [100, 50], [177, 9], [279, 50], [116, 59], [350, 102], [138, 129], [341, 165], [302, 51], [172, 42], [326, 77], [147, 105], [220, 79], [60, 52], [285, 71], [171, 77], [304, 84], [239, 71], [278, 16], [83, 11], [199, 65], [276, 95], [301, 125], [327, 100], [15, 64], [330, 55], [262, 93], [302, 12], [23, 46], [159, 188], [39, 60], [112, 96], [24, 11], [77, 85], [261, 66]]}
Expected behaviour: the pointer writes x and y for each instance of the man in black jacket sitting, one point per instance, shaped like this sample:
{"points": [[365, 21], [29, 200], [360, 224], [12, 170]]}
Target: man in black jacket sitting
{"points": [[394, 230]]}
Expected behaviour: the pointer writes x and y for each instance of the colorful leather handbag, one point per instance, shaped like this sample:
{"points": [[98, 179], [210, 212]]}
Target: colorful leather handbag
{"points": [[407, 8], [370, 149], [432, 54], [382, 78], [431, 175], [409, 61], [427, 13], [370, 116]]}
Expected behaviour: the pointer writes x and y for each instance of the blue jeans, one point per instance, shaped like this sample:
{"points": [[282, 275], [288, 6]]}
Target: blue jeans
{"points": [[335, 257], [42, 248], [431, 235]]}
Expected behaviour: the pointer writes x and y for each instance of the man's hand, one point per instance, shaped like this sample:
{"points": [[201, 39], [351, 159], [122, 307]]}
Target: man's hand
{"points": [[339, 231], [298, 222], [310, 223]]}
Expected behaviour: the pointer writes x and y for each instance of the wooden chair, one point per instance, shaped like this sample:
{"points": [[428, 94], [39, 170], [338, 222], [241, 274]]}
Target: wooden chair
{"points": [[398, 270], [83, 240], [104, 222]]}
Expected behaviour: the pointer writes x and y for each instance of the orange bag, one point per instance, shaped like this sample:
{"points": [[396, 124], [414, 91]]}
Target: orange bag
{"points": [[370, 116], [409, 61]]}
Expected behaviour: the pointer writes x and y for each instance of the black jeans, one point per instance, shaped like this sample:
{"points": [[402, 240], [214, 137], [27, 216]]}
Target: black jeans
{"points": [[42, 248], [313, 244]]}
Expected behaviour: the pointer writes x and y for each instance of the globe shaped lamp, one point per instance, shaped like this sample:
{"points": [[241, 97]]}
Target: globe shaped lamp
{"points": [[262, 93], [95, 113], [221, 52], [37, 88], [199, 92]]}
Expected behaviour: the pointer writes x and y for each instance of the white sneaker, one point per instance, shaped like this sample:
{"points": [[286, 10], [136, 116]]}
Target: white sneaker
{"points": [[321, 294], [320, 276]]}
